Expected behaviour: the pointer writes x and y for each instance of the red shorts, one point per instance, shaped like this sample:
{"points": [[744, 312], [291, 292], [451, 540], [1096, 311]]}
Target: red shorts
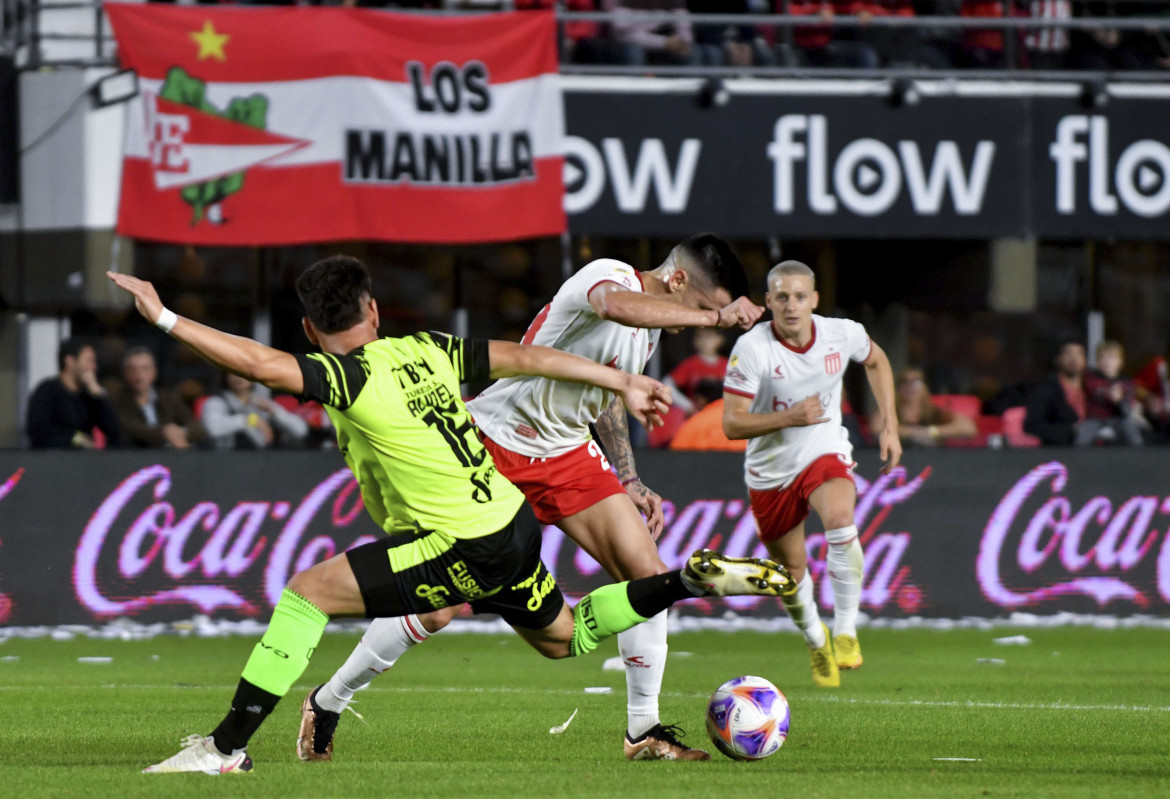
{"points": [[561, 486], [778, 510]]}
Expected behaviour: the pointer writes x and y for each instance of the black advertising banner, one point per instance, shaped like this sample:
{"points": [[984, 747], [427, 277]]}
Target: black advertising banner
{"points": [[822, 159], [1105, 172], [89, 537]]}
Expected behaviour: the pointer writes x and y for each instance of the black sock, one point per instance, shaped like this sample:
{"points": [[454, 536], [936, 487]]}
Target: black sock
{"points": [[250, 706], [649, 596]]}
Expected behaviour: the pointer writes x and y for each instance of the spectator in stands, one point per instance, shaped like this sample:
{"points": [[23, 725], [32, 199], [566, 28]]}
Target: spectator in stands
{"points": [[732, 45], [1048, 48], [920, 421], [1057, 404], [64, 411], [983, 48], [706, 364], [152, 417], [904, 46], [822, 45], [1108, 48], [704, 430], [1112, 414], [669, 43], [1152, 389], [243, 416]]}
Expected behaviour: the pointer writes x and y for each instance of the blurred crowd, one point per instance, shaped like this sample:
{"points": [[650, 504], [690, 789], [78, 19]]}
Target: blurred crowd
{"points": [[127, 406], [840, 33]]}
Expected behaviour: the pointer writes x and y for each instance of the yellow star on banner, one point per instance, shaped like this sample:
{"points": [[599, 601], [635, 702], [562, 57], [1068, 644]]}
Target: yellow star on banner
{"points": [[210, 43]]}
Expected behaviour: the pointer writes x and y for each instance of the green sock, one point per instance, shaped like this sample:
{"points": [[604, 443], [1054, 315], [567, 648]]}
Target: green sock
{"points": [[283, 653], [600, 614]]}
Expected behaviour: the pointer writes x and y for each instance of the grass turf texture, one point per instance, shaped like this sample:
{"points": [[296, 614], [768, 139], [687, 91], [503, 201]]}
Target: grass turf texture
{"points": [[1079, 712]]}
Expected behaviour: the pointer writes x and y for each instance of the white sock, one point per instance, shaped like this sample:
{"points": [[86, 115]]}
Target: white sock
{"points": [[384, 642], [845, 565], [802, 607], [643, 650]]}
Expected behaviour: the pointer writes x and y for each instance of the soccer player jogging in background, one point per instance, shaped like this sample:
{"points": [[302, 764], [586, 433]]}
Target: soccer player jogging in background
{"points": [[458, 531], [783, 391], [537, 431]]}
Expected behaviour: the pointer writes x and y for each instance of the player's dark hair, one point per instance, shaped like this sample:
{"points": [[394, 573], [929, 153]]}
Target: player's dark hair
{"points": [[716, 258], [332, 291], [69, 348]]}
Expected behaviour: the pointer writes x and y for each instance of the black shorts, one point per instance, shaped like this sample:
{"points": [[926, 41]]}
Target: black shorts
{"points": [[498, 573]]}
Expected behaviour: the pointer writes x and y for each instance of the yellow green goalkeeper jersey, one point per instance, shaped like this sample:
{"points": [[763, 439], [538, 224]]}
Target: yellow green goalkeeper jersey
{"points": [[408, 437]]}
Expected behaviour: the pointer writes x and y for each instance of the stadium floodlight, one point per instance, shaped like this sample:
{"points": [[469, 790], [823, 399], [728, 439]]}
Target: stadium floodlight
{"points": [[1094, 94], [116, 88], [903, 92]]}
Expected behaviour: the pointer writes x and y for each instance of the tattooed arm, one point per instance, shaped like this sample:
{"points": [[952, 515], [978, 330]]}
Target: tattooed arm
{"points": [[614, 432]]}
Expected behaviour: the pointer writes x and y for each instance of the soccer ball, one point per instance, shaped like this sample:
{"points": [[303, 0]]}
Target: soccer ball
{"points": [[747, 718]]}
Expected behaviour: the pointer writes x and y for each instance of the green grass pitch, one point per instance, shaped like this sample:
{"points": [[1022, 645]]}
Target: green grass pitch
{"points": [[1080, 712]]}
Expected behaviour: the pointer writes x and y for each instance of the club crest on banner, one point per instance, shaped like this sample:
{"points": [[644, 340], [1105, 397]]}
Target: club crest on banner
{"points": [[256, 127]]}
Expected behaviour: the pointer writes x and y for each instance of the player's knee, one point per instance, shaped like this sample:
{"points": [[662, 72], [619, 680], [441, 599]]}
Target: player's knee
{"points": [[438, 619], [309, 585], [835, 520], [798, 572]]}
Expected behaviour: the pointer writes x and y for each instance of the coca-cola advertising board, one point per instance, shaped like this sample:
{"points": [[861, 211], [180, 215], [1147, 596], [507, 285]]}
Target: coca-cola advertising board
{"points": [[89, 537]]}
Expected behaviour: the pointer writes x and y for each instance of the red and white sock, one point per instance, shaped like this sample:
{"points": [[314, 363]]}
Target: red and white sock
{"points": [[845, 565], [384, 642]]}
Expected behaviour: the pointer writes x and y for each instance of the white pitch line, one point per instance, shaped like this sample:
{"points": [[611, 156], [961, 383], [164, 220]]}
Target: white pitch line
{"points": [[499, 689]]}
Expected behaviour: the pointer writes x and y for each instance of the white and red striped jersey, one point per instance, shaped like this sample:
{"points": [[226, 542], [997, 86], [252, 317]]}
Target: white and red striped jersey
{"points": [[775, 376], [1048, 40], [543, 418]]}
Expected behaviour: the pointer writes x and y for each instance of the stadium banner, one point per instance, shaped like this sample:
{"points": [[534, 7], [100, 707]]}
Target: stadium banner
{"points": [[804, 159], [161, 537], [272, 126]]}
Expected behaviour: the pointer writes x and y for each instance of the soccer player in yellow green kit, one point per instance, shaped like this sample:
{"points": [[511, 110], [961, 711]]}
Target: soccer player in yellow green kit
{"points": [[458, 531]]}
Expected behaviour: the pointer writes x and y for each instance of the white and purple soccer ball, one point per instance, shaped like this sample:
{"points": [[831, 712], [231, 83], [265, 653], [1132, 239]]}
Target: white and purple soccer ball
{"points": [[747, 718]]}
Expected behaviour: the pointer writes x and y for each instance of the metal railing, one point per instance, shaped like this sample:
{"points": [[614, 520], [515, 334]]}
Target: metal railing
{"points": [[45, 33]]}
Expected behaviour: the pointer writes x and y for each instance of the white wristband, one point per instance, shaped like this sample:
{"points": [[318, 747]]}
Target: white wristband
{"points": [[166, 320]]}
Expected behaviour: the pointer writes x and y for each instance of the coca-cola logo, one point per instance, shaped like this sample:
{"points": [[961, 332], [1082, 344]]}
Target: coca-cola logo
{"points": [[1056, 549], [729, 526], [139, 550]]}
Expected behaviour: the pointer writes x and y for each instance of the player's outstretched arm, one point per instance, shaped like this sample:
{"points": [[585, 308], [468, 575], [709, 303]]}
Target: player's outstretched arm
{"points": [[616, 303], [881, 382], [740, 422], [615, 437], [242, 356], [647, 399]]}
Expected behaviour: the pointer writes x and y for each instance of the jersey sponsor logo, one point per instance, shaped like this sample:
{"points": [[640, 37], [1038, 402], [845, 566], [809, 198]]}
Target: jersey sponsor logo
{"points": [[435, 594], [464, 582], [613, 362], [832, 363], [736, 375], [779, 404], [540, 588], [525, 431]]}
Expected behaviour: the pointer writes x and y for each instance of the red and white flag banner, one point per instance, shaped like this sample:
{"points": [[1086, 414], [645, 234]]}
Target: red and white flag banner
{"points": [[269, 126]]}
